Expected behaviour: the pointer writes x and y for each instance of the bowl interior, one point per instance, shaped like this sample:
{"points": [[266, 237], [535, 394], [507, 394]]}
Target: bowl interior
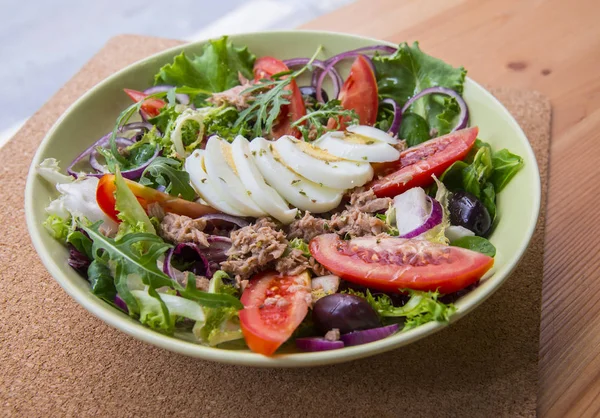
{"points": [[94, 114]]}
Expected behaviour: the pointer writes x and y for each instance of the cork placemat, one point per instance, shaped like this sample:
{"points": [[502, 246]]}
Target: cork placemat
{"points": [[58, 360]]}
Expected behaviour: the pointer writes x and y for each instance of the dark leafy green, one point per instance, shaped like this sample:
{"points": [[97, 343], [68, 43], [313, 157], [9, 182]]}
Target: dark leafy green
{"points": [[101, 280], [409, 71], [168, 172], [488, 198], [478, 172], [216, 68], [475, 243], [506, 165], [453, 176], [209, 300], [414, 129]]}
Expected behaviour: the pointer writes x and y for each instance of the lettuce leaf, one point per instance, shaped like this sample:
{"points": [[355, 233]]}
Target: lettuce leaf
{"points": [[214, 70], [409, 71], [506, 165], [131, 213], [422, 307]]}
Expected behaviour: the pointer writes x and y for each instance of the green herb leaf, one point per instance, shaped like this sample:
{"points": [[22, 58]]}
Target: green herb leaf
{"points": [[506, 165], [101, 281], [314, 123], [488, 198], [413, 129], [300, 244], [475, 243], [209, 300], [168, 172]]}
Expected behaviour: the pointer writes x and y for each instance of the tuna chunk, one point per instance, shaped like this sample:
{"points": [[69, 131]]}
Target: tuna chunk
{"points": [[179, 228]]}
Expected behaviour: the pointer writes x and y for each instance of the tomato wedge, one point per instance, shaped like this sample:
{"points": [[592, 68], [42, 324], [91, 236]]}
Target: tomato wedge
{"points": [[266, 67], [150, 107], [417, 164], [105, 196], [274, 306], [359, 91], [391, 264]]}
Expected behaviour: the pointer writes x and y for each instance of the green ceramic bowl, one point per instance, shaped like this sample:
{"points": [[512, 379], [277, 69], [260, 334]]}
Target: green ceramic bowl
{"points": [[94, 114]]}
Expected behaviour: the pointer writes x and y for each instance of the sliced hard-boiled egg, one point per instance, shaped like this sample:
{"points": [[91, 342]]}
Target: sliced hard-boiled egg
{"points": [[372, 133], [194, 165], [297, 190], [357, 148], [320, 166], [222, 174], [264, 195]]}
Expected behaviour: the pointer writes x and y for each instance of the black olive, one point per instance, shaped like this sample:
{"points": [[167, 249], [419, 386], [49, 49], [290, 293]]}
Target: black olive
{"points": [[345, 312], [310, 91], [468, 211]]}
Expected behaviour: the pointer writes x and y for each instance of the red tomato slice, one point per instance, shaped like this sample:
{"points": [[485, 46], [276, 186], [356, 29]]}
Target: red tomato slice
{"points": [[266, 67], [417, 164], [274, 306], [391, 263], [359, 91], [105, 196], [151, 107]]}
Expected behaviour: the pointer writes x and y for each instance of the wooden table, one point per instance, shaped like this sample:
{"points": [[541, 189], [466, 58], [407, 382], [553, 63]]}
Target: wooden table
{"points": [[552, 46]]}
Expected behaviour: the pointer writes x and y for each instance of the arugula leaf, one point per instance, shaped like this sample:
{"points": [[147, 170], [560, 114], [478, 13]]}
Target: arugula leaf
{"points": [[134, 255], [413, 129], [168, 173], [101, 281], [409, 71], [314, 123], [506, 165], [214, 70], [81, 242], [206, 299], [475, 243], [131, 213], [422, 307]]}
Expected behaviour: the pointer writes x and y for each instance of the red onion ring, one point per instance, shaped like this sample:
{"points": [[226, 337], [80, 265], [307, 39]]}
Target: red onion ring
{"points": [[330, 65], [433, 219], [395, 125], [184, 99], [463, 116], [221, 219], [124, 142], [336, 79], [368, 335], [318, 344]]}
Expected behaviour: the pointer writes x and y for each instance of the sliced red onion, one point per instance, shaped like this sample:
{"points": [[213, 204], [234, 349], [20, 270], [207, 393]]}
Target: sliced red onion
{"points": [[136, 126], [368, 335], [416, 212], [121, 304], [221, 220], [192, 253], [463, 116], [123, 142], [184, 99], [330, 66], [386, 49], [395, 125], [317, 344], [336, 79], [218, 247]]}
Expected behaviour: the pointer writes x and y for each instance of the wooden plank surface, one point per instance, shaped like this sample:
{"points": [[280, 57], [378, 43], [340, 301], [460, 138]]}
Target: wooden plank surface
{"points": [[552, 46]]}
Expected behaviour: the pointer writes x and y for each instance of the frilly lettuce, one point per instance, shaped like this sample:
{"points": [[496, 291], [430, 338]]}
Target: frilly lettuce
{"points": [[132, 215]]}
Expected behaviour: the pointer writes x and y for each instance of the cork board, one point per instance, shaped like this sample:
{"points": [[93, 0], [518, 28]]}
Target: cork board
{"points": [[58, 360]]}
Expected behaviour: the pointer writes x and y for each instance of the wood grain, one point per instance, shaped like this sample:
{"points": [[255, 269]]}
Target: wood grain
{"points": [[552, 46]]}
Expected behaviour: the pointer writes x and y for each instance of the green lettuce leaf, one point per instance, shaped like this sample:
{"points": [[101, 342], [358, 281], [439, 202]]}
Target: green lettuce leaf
{"points": [[475, 243], [215, 69], [131, 213], [414, 129], [168, 172], [409, 71], [422, 307], [478, 172], [153, 311], [58, 227], [101, 281], [506, 165]]}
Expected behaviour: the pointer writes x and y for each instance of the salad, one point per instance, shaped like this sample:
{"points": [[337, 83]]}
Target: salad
{"points": [[247, 201]]}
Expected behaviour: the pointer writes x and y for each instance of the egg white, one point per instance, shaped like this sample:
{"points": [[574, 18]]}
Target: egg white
{"points": [[373, 133], [263, 195], [223, 177], [194, 165], [297, 190], [357, 148], [321, 167]]}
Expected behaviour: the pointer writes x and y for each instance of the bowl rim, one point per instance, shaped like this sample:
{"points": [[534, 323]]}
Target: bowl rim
{"points": [[117, 319]]}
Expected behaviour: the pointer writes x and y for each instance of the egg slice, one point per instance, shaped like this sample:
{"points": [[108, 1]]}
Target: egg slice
{"points": [[372, 133], [357, 148], [263, 195], [222, 174], [194, 165], [297, 190], [321, 167]]}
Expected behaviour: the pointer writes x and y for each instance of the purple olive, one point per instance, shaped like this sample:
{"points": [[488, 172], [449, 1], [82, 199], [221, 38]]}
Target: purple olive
{"points": [[345, 312]]}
